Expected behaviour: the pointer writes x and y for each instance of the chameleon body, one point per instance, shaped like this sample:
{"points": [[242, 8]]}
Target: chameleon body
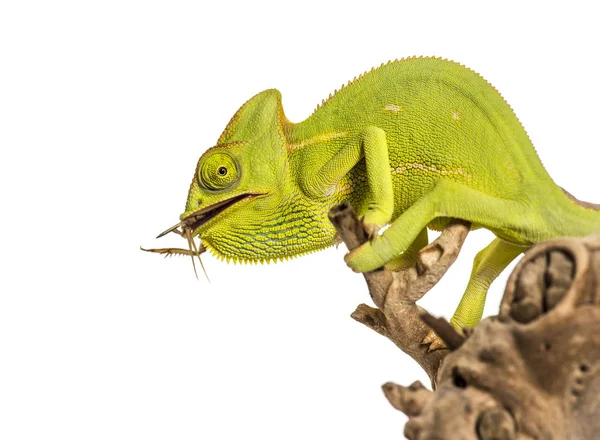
{"points": [[411, 144]]}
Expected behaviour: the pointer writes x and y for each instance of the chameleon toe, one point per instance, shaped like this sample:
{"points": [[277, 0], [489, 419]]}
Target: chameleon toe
{"points": [[434, 341]]}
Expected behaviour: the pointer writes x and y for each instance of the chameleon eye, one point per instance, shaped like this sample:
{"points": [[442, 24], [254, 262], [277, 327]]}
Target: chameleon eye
{"points": [[218, 171]]}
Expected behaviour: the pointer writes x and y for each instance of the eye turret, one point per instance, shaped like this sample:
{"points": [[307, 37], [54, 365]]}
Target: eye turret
{"points": [[219, 171]]}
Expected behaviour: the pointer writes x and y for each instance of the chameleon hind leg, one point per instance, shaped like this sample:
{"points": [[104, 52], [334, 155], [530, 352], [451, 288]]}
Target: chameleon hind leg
{"points": [[446, 199], [410, 255], [488, 264]]}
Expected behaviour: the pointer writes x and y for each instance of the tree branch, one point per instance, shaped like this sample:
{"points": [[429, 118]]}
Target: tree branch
{"points": [[532, 372], [397, 316]]}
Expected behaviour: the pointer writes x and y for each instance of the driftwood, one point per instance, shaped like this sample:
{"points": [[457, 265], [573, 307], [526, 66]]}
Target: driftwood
{"points": [[396, 316], [532, 372]]}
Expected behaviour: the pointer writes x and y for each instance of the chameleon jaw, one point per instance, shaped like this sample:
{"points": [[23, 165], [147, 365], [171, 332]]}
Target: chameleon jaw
{"points": [[199, 218], [196, 219]]}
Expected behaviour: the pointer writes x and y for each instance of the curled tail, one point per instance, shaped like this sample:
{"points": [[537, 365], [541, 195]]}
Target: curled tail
{"points": [[587, 205], [576, 218]]}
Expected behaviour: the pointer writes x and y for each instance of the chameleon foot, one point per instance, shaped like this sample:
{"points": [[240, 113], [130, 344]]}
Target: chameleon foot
{"points": [[370, 227], [454, 331], [434, 341]]}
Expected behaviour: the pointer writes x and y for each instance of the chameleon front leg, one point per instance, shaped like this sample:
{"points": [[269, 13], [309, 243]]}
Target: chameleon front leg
{"points": [[371, 144]]}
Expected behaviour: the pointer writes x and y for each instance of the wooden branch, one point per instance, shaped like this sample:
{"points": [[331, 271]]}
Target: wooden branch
{"points": [[410, 400], [443, 329], [532, 372], [397, 316]]}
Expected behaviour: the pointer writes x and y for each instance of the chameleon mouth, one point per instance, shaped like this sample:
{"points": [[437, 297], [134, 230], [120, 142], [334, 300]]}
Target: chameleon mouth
{"points": [[196, 219]]}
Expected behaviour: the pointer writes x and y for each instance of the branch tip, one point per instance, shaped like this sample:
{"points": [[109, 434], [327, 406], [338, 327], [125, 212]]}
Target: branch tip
{"points": [[443, 329]]}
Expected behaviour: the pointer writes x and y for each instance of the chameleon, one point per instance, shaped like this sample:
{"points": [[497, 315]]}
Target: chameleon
{"points": [[410, 145]]}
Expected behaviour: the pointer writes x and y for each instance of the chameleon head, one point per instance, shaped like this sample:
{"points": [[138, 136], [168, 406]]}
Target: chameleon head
{"points": [[242, 188]]}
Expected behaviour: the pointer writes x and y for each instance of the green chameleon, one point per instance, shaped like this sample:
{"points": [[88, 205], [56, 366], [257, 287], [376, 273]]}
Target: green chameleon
{"points": [[411, 144]]}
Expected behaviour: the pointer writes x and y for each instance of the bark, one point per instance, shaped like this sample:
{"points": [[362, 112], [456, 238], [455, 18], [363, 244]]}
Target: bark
{"points": [[531, 372], [397, 315]]}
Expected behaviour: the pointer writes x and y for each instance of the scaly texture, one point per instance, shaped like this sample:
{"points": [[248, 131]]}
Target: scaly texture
{"points": [[412, 144]]}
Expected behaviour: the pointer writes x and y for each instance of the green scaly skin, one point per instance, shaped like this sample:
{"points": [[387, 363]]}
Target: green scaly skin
{"points": [[410, 144]]}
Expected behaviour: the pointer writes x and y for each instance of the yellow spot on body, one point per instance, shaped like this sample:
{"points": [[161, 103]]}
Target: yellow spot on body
{"points": [[455, 115], [430, 168], [393, 108], [343, 188], [315, 140]]}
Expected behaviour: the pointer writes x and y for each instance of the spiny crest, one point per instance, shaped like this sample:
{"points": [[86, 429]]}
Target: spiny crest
{"points": [[241, 260], [354, 80], [414, 57]]}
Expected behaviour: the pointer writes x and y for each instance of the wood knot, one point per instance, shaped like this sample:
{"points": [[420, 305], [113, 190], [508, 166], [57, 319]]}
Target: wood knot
{"points": [[541, 284], [496, 424]]}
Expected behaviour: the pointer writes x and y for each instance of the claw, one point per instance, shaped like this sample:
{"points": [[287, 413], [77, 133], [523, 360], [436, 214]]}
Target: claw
{"points": [[372, 229], [446, 336], [434, 341]]}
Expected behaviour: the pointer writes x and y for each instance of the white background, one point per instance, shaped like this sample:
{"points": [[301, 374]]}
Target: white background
{"points": [[105, 108]]}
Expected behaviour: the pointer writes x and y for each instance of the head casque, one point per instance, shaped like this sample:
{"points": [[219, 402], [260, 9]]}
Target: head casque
{"points": [[243, 202]]}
